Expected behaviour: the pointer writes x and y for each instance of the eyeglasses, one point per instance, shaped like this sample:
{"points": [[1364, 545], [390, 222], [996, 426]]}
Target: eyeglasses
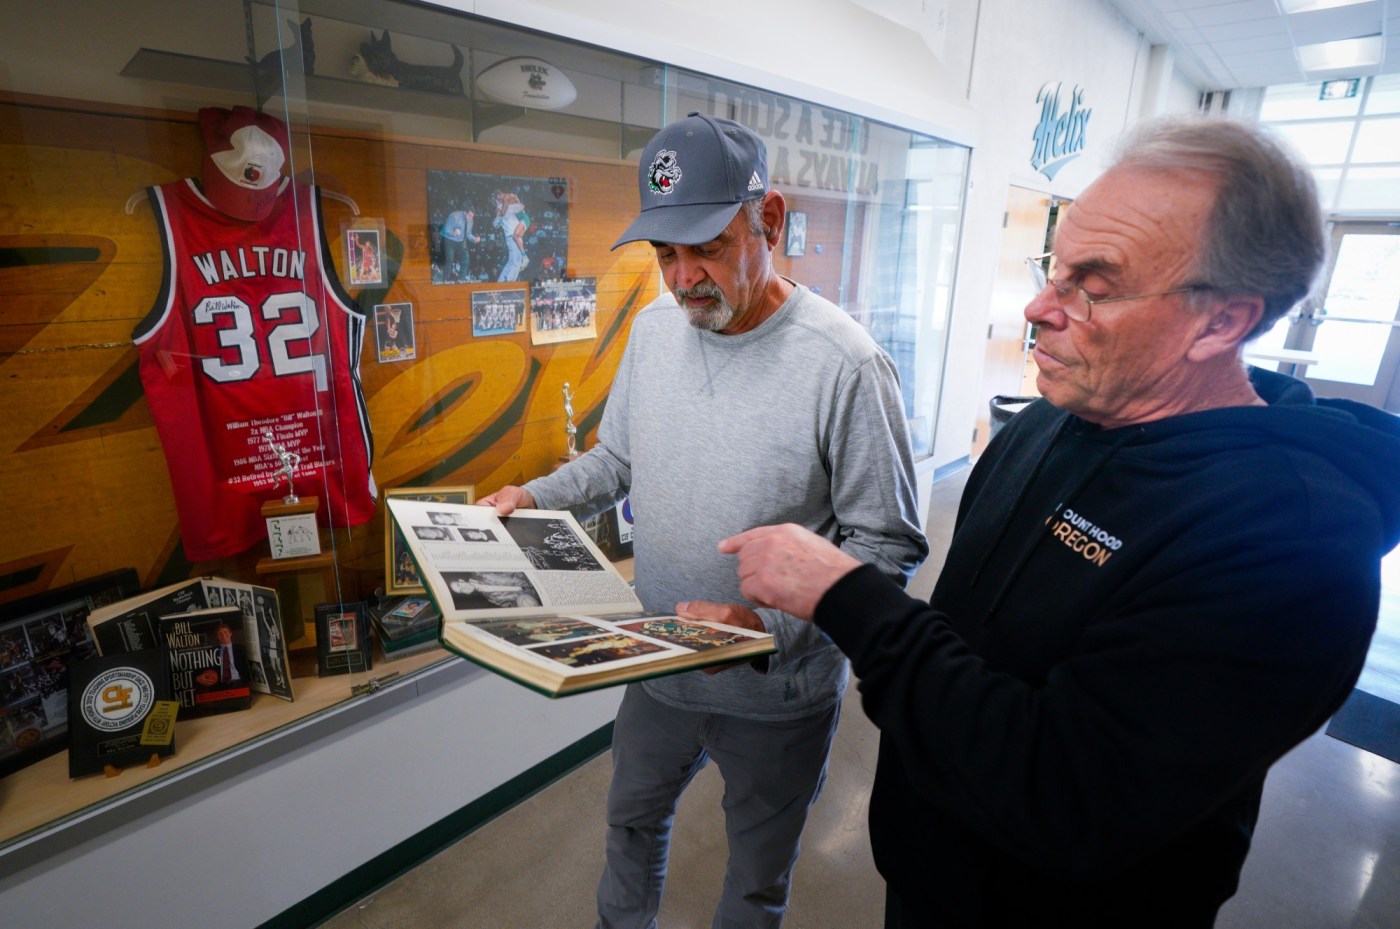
{"points": [[1075, 300]]}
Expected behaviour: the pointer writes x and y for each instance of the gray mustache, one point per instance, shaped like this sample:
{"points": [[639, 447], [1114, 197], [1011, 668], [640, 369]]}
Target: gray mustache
{"points": [[701, 291]]}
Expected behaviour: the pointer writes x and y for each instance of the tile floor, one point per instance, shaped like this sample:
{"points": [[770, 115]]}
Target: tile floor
{"points": [[1326, 854]]}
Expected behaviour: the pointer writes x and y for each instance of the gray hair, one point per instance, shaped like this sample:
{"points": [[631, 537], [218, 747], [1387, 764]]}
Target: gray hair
{"points": [[753, 215], [1265, 232]]}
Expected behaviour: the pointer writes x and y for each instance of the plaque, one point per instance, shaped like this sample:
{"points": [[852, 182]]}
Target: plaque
{"points": [[291, 522], [119, 712], [291, 528], [342, 638]]}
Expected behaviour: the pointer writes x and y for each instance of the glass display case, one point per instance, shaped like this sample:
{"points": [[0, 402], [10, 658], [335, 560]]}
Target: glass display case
{"points": [[323, 249]]}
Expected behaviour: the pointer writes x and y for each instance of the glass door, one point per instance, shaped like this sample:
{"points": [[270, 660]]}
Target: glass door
{"points": [[1353, 332]]}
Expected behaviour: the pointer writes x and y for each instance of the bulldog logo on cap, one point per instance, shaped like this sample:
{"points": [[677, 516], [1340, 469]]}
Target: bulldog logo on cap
{"points": [[664, 172], [721, 157]]}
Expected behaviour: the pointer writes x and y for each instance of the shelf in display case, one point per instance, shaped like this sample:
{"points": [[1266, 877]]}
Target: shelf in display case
{"points": [[175, 68], [240, 77]]}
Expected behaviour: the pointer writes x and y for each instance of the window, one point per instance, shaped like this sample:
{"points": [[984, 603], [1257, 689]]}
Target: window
{"points": [[884, 210]]}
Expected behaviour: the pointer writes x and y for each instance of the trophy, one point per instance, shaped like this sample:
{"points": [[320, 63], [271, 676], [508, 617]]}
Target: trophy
{"points": [[291, 522], [570, 430], [569, 426], [289, 460]]}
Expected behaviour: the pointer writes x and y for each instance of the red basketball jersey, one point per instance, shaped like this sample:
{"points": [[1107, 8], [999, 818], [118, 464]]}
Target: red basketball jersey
{"points": [[253, 342]]}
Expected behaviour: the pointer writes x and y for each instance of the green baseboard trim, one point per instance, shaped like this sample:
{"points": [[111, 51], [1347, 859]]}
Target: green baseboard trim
{"points": [[416, 849]]}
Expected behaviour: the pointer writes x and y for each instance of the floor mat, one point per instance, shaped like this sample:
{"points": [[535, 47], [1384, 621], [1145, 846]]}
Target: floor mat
{"points": [[1369, 722]]}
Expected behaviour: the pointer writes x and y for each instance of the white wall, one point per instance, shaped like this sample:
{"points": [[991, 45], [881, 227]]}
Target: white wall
{"points": [[236, 844], [1019, 49]]}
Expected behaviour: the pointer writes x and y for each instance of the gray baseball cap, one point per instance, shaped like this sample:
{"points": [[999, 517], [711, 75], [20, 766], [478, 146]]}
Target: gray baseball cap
{"points": [[693, 176]]}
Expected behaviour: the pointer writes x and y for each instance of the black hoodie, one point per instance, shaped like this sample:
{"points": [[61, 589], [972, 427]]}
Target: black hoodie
{"points": [[1130, 627]]}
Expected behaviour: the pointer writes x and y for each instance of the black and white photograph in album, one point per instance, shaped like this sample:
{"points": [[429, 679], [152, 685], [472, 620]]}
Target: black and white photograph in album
{"points": [[477, 535], [490, 590], [550, 544]]}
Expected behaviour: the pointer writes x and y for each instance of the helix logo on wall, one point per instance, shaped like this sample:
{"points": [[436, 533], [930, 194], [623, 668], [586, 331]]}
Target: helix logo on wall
{"points": [[1060, 136]]}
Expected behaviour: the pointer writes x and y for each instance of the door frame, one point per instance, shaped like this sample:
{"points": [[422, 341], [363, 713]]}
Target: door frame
{"points": [[1312, 314]]}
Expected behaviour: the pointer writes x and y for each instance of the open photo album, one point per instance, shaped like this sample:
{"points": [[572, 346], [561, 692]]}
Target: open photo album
{"points": [[530, 597]]}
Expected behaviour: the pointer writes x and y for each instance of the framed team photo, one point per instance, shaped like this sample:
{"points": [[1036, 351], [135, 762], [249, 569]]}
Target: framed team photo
{"points": [[41, 637], [498, 312], [364, 254], [400, 573], [393, 332], [563, 311], [342, 638]]}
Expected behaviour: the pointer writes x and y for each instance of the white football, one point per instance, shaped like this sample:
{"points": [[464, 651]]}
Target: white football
{"points": [[526, 81]]}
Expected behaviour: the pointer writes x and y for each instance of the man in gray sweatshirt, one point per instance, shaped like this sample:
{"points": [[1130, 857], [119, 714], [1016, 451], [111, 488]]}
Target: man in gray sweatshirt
{"points": [[742, 399]]}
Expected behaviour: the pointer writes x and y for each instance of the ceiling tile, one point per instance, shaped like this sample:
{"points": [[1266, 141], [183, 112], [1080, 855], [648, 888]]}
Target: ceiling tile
{"points": [[1174, 19], [1246, 28], [1190, 36], [1206, 64], [1249, 43], [1259, 43], [1254, 60], [1236, 12], [1285, 73]]}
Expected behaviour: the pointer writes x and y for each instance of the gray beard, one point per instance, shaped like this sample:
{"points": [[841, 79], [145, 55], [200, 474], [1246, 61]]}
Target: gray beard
{"points": [[711, 319]]}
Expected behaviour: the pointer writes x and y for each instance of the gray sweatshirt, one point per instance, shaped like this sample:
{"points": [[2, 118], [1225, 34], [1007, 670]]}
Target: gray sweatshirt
{"points": [[799, 420]]}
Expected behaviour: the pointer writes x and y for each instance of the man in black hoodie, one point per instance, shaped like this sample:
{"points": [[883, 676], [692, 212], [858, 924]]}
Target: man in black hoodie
{"points": [[1164, 574]]}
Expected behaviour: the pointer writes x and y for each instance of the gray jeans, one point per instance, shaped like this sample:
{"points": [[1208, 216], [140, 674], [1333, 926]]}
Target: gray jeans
{"points": [[773, 772]]}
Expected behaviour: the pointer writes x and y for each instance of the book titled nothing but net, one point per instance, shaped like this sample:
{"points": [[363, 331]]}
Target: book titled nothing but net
{"points": [[530, 597]]}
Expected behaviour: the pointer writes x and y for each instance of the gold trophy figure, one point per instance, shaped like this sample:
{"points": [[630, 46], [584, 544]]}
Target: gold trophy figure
{"points": [[569, 427]]}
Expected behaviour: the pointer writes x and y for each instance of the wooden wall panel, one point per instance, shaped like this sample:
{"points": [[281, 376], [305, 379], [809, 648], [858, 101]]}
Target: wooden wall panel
{"points": [[86, 487], [826, 228]]}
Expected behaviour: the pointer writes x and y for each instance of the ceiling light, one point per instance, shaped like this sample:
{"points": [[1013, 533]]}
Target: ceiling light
{"points": [[1352, 54], [1311, 6]]}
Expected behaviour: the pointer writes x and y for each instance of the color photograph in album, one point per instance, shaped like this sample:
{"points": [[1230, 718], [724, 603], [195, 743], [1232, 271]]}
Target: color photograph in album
{"points": [[531, 597]]}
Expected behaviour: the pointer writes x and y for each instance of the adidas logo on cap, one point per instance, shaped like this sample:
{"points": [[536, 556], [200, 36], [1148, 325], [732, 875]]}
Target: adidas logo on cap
{"points": [[755, 182]]}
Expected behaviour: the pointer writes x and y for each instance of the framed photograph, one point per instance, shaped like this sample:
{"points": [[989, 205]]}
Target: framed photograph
{"points": [[41, 636], [498, 312], [497, 227], [393, 332], [342, 638], [563, 311], [364, 253], [796, 245], [400, 573]]}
